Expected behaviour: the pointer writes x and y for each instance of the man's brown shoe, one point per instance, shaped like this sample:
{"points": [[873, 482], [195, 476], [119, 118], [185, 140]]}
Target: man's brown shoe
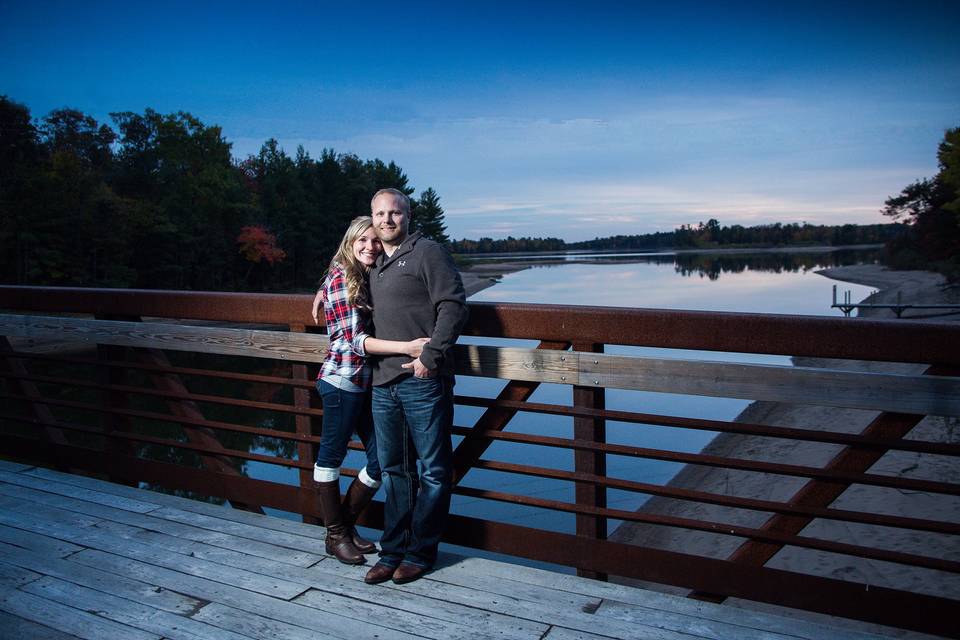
{"points": [[408, 572], [379, 573]]}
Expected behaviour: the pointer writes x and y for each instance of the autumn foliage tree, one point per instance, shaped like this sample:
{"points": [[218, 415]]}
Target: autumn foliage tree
{"points": [[257, 245]]}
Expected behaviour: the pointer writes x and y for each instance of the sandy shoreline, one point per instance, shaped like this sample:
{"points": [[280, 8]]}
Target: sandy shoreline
{"points": [[478, 277], [913, 287]]}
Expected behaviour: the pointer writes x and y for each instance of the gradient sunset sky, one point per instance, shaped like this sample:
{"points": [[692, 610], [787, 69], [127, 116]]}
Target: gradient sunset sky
{"points": [[563, 119]]}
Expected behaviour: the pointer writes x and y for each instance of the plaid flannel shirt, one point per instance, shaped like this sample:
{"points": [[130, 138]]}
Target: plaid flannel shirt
{"points": [[346, 326]]}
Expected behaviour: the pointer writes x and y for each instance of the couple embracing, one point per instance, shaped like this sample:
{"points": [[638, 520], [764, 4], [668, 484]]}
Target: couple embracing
{"points": [[394, 305]]}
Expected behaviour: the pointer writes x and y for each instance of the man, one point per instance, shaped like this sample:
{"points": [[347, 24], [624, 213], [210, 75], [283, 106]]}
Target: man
{"points": [[416, 291]]}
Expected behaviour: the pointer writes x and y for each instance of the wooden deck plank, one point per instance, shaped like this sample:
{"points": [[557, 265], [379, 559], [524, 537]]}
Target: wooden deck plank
{"points": [[12, 576], [567, 617], [16, 627], [256, 626], [95, 494], [456, 573], [351, 586], [154, 521], [94, 578], [414, 624], [186, 504], [150, 563], [251, 532], [47, 521], [559, 633], [14, 467], [748, 627], [272, 608], [349, 596], [426, 626], [16, 512], [60, 616], [133, 614], [98, 497], [616, 594], [43, 544]]}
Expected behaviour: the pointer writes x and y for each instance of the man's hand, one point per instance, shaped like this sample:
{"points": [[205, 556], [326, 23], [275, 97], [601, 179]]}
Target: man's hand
{"points": [[420, 371], [315, 311]]}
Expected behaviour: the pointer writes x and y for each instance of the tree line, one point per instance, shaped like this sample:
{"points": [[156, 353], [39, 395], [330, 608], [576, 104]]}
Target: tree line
{"points": [[158, 201], [701, 236]]}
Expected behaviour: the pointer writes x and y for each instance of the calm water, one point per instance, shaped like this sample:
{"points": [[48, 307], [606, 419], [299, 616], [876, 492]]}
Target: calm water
{"points": [[768, 283], [762, 283]]}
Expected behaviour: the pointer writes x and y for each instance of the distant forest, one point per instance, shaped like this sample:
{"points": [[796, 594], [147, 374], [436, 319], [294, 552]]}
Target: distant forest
{"points": [[702, 236], [157, 201]]}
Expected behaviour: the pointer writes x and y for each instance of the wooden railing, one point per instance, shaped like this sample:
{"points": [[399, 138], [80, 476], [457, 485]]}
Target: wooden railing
{"points": [[112, 394]]}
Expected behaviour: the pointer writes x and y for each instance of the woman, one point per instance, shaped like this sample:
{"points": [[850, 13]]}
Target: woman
{"points": [[344, 387]]}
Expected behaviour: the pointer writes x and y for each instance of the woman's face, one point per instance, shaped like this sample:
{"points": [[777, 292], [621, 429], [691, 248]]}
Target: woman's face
{"points": [[367, 247]]}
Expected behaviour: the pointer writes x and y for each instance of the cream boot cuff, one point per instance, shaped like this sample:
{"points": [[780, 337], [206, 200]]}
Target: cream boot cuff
{"points": [[325, 474], [367, 480]]}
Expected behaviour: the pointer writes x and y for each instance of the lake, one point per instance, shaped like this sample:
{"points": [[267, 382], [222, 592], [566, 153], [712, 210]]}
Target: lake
{"points": [[747, 282]]}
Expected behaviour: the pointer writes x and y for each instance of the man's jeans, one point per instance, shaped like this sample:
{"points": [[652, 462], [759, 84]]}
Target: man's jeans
{"points": [[412, 419]]}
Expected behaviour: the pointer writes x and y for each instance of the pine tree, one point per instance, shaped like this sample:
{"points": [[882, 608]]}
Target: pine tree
{"points": [[427, 217]]}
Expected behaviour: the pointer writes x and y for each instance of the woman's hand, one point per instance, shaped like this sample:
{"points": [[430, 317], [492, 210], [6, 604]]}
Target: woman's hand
{"points": [[317, 303], [415, 347]]}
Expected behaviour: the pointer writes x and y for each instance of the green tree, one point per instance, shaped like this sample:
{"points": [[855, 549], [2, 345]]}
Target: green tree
{"points": [[71, 131], [427, 217], [931, 210], [21, 155], [183, 171]]}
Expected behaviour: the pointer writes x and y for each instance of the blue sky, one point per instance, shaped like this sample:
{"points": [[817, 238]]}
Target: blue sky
{"points": [[571, 120]]}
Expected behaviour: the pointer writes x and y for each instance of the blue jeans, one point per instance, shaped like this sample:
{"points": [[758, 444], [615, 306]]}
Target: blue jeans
{"points": [[343, 413], [412, 418]]}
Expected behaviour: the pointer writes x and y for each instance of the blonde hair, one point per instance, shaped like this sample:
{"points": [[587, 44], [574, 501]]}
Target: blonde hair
{"points": [[355, 273]]}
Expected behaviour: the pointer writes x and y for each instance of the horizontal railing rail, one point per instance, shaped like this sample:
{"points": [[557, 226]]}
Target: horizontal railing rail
{"points": [[108, 394], [829, 387]]}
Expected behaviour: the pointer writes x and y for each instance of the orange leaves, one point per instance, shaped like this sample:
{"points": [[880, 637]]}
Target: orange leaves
{"points": [[258, 245]]}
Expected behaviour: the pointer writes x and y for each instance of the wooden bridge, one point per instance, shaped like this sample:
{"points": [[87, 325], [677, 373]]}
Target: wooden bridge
{"points": [[126, 408], [93, 559]]}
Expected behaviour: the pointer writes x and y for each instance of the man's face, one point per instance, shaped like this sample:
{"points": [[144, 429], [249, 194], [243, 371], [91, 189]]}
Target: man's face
{"points": [[390, 220]]}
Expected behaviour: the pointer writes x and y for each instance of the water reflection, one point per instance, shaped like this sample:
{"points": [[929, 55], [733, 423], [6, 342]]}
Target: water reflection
{"points": [[761, 283], [712, 265]]}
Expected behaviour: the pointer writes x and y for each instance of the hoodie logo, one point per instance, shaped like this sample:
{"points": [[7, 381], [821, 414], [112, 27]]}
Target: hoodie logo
{"points": [[402, 263]]}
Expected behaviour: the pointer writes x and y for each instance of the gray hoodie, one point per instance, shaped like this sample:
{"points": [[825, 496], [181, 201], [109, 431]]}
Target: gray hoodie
{"points": [[416, 293]]}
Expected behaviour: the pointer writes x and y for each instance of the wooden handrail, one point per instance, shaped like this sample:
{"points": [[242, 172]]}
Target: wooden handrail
{"points": [[929, 395]]}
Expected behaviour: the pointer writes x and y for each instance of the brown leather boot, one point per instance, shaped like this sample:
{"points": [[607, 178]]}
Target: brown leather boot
{"points": [[338, 542], [355, 501]]}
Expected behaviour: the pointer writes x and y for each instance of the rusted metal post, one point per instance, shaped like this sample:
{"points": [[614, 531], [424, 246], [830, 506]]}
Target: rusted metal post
{"points": [[110, 422], [470, 449], [591, 462]]}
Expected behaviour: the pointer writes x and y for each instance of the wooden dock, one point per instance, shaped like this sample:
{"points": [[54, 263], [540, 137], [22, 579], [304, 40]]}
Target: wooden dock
{"points": [[84, 558]]}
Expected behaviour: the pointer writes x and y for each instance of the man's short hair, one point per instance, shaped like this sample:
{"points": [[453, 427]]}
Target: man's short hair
{"points": [[394, 192]]}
